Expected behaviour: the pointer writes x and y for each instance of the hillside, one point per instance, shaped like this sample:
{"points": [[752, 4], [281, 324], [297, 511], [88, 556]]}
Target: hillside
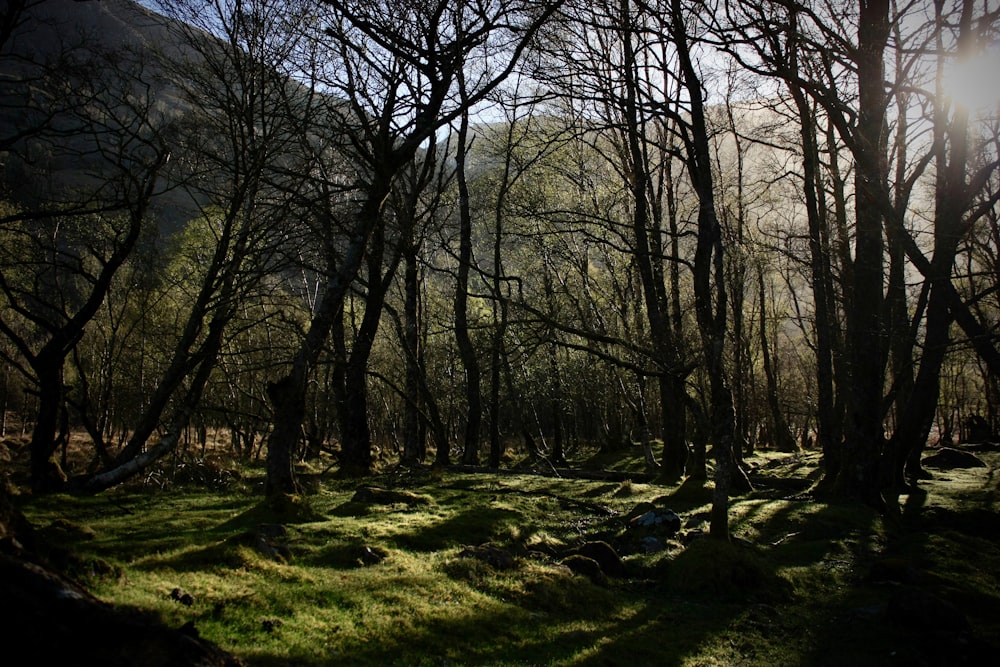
{"points": [[68, 72]]}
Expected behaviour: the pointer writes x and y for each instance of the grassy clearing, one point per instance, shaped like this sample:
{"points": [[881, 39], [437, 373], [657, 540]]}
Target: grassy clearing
{"points": [[804, 583]]}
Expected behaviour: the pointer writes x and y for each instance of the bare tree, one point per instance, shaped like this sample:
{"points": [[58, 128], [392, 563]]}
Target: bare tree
{"points": [[241, 116], [397, 68], [60, 258]]}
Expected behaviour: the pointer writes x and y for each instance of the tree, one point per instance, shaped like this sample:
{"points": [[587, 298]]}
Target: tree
{"points": [[612, 69], [845, 81], [397, 74], [957, 208], [241, 119], [466, 349], [60, 260]]}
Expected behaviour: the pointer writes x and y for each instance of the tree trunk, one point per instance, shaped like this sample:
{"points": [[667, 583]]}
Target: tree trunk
{"points": [[648, 248], [711, 304], [951, 202], [48, 363], [45, 473], [414, 449], [781, 436], [288, 394], [356, 445], [466, 350], [858, 476], [178, 422], [819, 267]]}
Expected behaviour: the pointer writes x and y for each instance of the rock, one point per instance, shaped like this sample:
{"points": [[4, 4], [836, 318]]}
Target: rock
{"points": [[489, 553], [651, 544], [588, 567], [377, 496], [659, 520], [182, 596], [604, 555], [948, 458], [371, 555]]}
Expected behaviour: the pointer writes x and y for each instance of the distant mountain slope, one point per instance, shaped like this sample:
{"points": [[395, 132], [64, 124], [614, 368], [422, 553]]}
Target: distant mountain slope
{"points": [[48, 24], [58, 53]]}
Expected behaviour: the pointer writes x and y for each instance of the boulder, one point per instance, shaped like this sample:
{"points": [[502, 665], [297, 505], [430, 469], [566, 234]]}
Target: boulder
{"points": [[604, 555], [658, 520], [587, 567], [489, 553], [378, 496], [948, 458]]}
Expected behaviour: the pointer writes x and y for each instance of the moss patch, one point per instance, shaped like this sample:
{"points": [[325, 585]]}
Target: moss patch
{"points": [[803, 582]]}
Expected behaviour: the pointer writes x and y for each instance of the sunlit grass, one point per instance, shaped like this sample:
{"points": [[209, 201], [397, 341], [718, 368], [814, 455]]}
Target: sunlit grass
{"points": [[786, 592]]}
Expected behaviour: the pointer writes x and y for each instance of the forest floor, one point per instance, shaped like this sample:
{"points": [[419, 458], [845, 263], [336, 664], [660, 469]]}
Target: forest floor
{"points": [[387, 577]]}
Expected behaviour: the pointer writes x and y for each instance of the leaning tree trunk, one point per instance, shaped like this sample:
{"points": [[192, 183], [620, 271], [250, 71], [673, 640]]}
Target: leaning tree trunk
{"points": [[288, 393], [49, 362]]}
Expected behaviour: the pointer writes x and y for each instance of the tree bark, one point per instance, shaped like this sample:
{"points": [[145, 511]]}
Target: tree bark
{"points": [[781, 437], [858, 476], [466, 350], [709, 284]]}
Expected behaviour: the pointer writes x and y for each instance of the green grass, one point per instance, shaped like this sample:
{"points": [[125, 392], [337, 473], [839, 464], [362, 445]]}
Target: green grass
{"points": [[792, 589]]}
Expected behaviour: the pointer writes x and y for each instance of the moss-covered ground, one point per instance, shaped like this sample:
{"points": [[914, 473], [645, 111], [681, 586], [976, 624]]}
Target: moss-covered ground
{"points": [[297, 583]]}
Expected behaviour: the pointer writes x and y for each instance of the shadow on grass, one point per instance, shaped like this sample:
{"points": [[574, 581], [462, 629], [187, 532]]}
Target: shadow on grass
{"points": [[474, 525], [554, 618], [851, 564], [946, 543]]}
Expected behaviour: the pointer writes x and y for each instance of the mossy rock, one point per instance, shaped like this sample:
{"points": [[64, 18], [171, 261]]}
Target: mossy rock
{"points": [[379, 496], [278, 509], [693, 491], [349, 556], [604, 555], [587, 567], [948, 458], [718, 568], [491, 554]]}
